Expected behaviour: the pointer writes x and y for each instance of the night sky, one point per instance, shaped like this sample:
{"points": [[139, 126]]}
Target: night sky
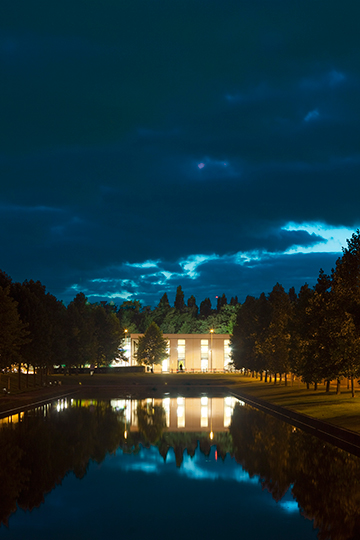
{"points": [[146, 144]]}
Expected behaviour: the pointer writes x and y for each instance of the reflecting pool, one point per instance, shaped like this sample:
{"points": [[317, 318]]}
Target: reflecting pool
{"points": [[174, 467]]}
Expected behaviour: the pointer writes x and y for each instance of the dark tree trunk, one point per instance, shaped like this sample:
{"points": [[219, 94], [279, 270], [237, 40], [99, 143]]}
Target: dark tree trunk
{"points": [[352, 387], [338, 391], [315, 386], [327, 386], [307, 386], [285, 376]]}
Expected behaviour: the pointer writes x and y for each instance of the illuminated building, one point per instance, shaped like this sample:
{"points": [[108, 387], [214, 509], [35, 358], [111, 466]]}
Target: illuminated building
{"points": [[190, 352]]}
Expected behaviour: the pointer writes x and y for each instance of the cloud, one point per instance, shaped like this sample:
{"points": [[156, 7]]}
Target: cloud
{"points": [[164, 133]]}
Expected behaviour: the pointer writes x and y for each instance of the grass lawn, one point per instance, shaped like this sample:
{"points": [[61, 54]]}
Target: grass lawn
{"points": [[341, 410]]}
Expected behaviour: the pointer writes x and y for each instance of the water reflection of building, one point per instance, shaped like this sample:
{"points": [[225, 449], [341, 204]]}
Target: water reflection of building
{"points": [[188, 352], [183, 414], [204, 413]]}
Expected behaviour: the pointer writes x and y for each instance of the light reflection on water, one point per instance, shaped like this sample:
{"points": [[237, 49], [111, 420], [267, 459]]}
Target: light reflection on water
{"points": [[255, 476]]}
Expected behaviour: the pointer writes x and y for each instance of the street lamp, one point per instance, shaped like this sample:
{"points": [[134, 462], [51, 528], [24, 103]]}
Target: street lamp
{"points": [[211, 348]]}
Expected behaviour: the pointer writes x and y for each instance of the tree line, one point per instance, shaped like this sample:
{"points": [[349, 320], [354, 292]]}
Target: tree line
{"points": [[37, 331], [314, 334], [184, 317]]}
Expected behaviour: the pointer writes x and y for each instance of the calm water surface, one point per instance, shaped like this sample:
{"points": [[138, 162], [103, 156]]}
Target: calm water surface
{"points": [[177, 468]]}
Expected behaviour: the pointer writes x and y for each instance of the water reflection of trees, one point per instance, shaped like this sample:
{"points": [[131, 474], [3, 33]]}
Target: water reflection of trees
{"points": [[323, 479], [38, 452], [151, 421]]}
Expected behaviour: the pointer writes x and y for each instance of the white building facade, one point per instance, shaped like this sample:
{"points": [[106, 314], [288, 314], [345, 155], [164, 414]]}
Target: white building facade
{"points": [[188, 352]]}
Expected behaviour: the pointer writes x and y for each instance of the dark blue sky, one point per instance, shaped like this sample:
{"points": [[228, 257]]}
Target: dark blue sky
{"points": [[212, 144]]}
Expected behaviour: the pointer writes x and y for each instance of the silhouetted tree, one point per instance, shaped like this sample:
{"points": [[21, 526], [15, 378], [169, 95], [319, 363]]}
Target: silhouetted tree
{"points": [[82, 348], [107, 334], [205, 308], [131, 316], [221, 302], [346, 298], [179, 299], [13, 331]]}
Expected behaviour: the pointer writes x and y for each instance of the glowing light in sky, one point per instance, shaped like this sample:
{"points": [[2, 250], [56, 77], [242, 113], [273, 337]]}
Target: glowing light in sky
{"points": [[201, 165], [312, 115]]}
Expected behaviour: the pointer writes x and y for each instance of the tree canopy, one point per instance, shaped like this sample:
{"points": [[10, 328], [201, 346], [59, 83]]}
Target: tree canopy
{"points": [[152, 347]]}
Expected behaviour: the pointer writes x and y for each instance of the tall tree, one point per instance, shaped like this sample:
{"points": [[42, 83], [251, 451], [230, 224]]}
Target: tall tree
{"points": [[131, 316], [221, 302], [152, 347], [251, 324], [346, 298], [317, 346], [277, 340], [108, 333], [36, 310], [81, 332], [192, 307], [205, 308], [13, 332], [300, 330], [179, 299]]}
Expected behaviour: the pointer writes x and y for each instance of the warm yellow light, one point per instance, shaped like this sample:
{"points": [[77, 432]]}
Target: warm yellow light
{"points": [[125, 434], [211, 331], [125, 331], [211, 435]]}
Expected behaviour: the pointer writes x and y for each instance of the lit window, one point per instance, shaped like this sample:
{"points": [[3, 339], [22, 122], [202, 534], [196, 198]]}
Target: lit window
{"points": [[204, 420]]}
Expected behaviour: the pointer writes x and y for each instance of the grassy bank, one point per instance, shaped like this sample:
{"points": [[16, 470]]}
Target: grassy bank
{"points": [[341, 410]]}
